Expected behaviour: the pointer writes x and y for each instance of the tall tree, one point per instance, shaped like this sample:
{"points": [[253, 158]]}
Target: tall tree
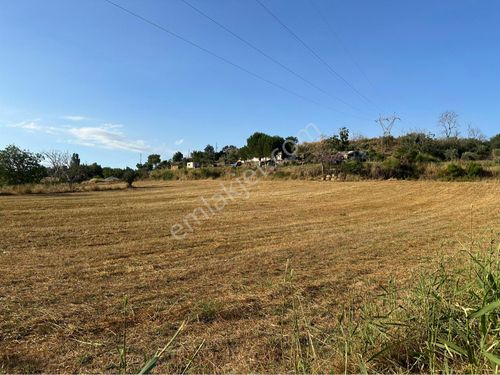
{"points": [[344, 138], [20, 166], [209, 154], [177, 157], [75, 173], [153, 161], [230, 154]]}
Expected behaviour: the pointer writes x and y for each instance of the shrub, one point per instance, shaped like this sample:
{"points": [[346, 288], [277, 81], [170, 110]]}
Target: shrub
{"points": [[167, 174], [281, 174], [452, 172], [470, 156], [495, 153], [163, 174], [451, 154], [396, 168], [475, 170], [205, 172], [423, 157]]}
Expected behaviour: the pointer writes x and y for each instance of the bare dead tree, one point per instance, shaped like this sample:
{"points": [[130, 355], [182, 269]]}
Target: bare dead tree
{"points": [[387, 123], [474, 133], [59, 163], [448, 121]]}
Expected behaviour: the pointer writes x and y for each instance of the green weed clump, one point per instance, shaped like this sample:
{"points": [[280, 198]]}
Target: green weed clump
{"points": [[471, 171], [447, 322]]}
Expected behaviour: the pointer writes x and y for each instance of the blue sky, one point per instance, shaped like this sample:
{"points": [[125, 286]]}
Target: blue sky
{"points": [[86, 77]]}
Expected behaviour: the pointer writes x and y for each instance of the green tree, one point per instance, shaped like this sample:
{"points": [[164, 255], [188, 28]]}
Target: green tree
{"points": [[20, 166], [75, 171], [258, 145], [112, 172], [177, 157], [495, 141], [262, 145], [198, 157], [290, 147], [339, 142], [209, 154], [92, 170], [153, 161], [344, 138], [129, 176], [230, 154]]}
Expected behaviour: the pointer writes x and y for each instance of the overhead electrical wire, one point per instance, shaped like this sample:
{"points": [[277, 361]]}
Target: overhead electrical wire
{"points": [[269, 57], [332, 30], [227, 61], [314, 53], [341, 42]]}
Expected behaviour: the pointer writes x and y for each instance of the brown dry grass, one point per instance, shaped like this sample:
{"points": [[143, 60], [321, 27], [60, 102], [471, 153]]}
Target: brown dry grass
{"points": [[67, 261]]}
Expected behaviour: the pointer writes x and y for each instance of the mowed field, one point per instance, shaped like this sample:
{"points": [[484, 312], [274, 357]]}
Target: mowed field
{"points": [[67, 261]]}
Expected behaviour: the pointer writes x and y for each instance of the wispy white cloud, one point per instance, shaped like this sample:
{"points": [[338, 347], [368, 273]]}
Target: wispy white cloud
{"points": [[34, 126], [75, 118], [28, 125], [108, 136], [179, 142]]}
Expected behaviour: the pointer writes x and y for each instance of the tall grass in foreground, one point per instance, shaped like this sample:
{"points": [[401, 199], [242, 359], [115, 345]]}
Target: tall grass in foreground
{"points": [[448, 322]]}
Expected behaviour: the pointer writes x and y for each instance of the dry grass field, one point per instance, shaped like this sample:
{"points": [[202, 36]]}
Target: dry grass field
{"points": [[67, 261]]}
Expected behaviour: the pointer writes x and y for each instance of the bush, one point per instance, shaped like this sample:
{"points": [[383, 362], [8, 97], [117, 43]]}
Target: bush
{"points": [[396, 168], [204, 173], [352, 167], [280, 174], [451, 154], [475, 170], [167, 174], [423, 157], [470, 156], [163, 174], [452, 172]]}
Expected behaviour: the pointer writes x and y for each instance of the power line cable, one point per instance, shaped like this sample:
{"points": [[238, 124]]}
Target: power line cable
{"points": [[255, 75], [332, 30], [314, 53], [341, 42], [266, 55]]}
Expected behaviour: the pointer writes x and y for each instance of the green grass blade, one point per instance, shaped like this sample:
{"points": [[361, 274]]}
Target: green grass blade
{"points": [[146, 369], [486, 309], [448, 345], [493, 358]]}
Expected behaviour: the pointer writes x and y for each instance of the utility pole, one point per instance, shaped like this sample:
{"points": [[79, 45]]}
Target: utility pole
{"points": [[387, 123]]}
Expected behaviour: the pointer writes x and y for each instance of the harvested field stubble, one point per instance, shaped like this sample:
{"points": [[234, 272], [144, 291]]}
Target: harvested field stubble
{"points": [[68, 261]]}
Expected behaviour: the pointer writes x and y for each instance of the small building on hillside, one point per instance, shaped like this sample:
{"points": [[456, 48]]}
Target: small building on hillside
{"points": [[192, 165]]}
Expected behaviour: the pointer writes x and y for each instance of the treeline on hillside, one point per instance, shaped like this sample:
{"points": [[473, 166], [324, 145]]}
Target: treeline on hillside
{"points": [[19, 167], [409, 156], [258, 145], [383, 157]]}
